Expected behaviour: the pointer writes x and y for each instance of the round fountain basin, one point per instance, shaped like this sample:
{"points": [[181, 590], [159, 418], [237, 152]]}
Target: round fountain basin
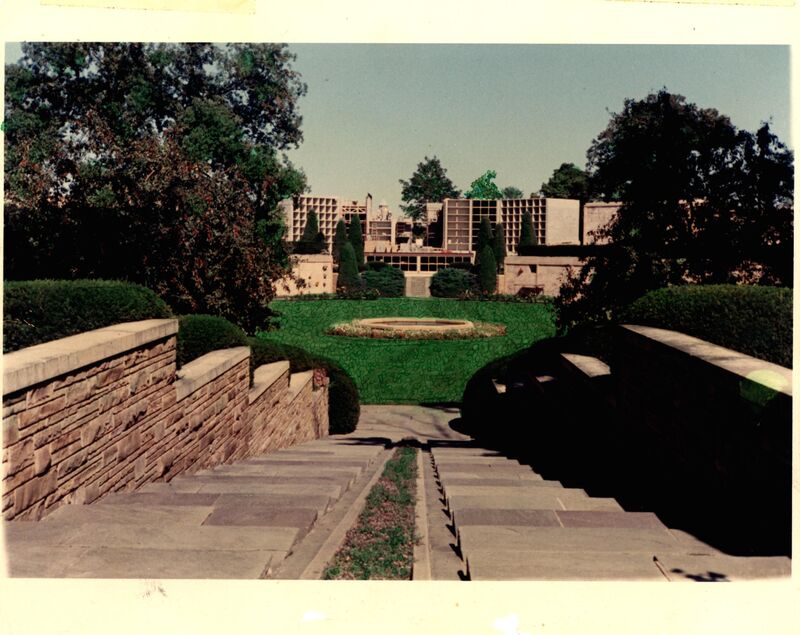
{"points": [[415, 324]]}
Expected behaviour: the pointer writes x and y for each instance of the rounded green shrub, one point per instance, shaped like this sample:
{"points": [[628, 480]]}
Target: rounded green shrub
{"points": [[344, 406], [201, 334], [389, 281], [753, 320], [451, 283], [37, 311]]}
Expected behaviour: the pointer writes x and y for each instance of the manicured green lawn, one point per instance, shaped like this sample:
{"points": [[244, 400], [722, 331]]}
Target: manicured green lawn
{"points": [[398, 371]]}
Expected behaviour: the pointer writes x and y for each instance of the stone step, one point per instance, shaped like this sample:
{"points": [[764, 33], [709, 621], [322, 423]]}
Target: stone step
{"points": [[582, 539], [132, 513], [464, 452], [722, 568], [542, 499], [309, 462], [285, 470], [448, 481], [247, 485], [476, 461], [492, 564], [114, 562], [460, 471], [342, 480], [512, 493], [159, 498]]}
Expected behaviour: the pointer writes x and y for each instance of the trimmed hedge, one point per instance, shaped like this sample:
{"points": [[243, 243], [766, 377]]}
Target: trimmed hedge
{"points": [[389, 281], [452, 283], [37, 311], [752, 320], [201, 334], [344, 406]]}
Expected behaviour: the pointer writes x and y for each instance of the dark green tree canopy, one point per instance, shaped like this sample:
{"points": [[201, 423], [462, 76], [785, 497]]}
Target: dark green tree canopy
{"points": [[701, 201], [512, 192], [348, 269], [527, 236], [487, 270], [484, 187], [356, 238], [339, 239], [428, 184], [485, 235], [567, 181], [312, 241], [117, 152], [499, 245]]}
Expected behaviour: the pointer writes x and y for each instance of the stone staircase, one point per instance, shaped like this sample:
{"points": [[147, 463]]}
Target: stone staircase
{"points": [[233, 521], [511, 524]]}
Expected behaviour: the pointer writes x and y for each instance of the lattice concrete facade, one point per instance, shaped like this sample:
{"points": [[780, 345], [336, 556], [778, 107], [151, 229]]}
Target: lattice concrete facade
{"points": [[555, 221], [329, 210]]}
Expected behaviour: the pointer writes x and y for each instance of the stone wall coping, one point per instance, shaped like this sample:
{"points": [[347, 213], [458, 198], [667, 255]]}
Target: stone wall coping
{"points": [[589, 366], [756, 370], [202, 370], [264, 376], [298, 381], [42, 362]]}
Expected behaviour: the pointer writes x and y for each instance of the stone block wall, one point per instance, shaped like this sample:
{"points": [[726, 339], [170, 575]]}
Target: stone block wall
{"points": [[106, 411], [710, 428]]}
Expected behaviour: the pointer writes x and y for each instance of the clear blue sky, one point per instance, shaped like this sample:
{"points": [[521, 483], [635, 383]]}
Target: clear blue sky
{"points": [[373, 112]]}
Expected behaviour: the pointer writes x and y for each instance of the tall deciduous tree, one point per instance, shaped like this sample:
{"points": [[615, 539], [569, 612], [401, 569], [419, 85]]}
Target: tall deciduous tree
{"points": [[116, 152], [356, 237], [484, 187], [701, 202], [567, 181], [428, 184]]}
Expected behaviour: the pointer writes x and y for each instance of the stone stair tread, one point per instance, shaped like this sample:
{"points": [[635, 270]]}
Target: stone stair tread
{"points": [[129, 513], [581, 539], [320, 503], [448, 481], [342, 480], [230, 486], [310, 461], [117, 562], [519, 471], [245, 514], [160, 498], [601, 518], [489, 564], [544, 499], [41, 560], [467, 452], [477, 461], [721, 567], [508, 517], [284, 470], [174, 536], [512, 492]]}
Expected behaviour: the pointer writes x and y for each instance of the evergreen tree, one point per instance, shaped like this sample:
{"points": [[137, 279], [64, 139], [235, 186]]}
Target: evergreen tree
{"points": [[311, 229], [512, 192], [499, 245], [428, 184], [484, 187], [356, 237], [487, 270], [348, 269], [485, 237], [527, 237], [339, 239]]}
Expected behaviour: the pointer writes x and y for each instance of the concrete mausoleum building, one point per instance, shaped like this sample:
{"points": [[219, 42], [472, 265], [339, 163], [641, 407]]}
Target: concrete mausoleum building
{"points": [[564, 230]]}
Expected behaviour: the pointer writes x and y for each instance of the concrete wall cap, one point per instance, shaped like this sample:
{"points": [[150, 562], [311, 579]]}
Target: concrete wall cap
{"points": [[589, 366], [42, 362], [265, 376], [202, 370], [298, 381], [756, 370]]}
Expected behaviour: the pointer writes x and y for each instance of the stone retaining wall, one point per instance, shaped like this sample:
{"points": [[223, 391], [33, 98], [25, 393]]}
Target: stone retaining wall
{"points": [[106, 411]]}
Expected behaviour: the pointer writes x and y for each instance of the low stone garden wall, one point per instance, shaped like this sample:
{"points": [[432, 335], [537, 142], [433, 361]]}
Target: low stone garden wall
{"points": [[107, 411]]}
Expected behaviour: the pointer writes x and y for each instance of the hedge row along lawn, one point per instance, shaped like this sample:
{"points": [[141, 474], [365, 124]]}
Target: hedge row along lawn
{"points": [[381, 544], [409, 371]]}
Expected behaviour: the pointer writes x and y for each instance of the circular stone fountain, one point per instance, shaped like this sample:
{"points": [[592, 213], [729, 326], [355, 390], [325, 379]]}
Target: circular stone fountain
{"points": [[414, 324], [416, 328]]}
